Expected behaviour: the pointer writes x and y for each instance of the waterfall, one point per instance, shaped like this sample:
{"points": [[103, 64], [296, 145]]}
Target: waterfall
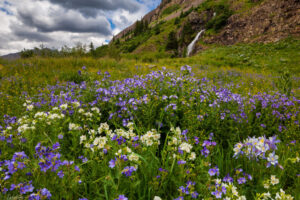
{"points": [[191, 46]]}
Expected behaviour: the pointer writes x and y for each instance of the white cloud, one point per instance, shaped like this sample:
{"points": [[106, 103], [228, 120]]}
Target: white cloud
{"points": [[30, 23]]}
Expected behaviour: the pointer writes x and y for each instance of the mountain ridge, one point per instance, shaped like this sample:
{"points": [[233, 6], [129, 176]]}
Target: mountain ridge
{"points": [[226, 22]]}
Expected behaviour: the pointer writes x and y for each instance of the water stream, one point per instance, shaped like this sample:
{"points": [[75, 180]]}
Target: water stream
{"points": [[190, 48]]}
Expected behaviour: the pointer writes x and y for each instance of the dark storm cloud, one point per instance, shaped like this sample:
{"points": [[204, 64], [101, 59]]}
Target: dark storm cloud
{"points": [[68, 21], [22, 33], [130, 5]]}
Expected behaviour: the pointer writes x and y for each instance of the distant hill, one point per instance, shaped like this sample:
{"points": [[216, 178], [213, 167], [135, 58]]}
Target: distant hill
{"points": [[169, 29], [46, 52], [12, 56]]}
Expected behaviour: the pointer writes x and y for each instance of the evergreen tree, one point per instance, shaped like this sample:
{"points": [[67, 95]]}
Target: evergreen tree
{"points": [[172, 43], [92, 49]]}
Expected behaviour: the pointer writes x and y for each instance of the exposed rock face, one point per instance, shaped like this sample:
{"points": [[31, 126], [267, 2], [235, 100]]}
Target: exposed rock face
{"points": [[270, 21]]}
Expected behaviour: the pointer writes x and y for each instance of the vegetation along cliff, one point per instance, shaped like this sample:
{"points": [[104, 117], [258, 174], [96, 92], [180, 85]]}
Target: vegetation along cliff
{"points": [[174, 24]]}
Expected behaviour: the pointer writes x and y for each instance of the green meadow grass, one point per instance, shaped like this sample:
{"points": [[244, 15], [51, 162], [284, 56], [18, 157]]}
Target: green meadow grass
{"points": [[259, 66]]}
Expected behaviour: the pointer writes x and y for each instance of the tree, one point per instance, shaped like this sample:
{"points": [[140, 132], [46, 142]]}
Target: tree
{"points": [[172, 43], [27, 53], [92, 47]]}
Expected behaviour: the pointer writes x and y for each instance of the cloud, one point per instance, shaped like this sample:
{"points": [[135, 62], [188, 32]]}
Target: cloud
{"points": [[26, 33], [90, 7], [55, 23], [55, 18]]}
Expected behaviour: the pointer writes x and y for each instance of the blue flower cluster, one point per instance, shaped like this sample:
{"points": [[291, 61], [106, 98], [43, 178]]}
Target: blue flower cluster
{"points": [[188, 190]]}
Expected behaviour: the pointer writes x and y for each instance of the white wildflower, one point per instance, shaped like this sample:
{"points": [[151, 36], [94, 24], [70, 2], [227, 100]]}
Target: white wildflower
{"points": [[88, 115], [64, 106], [186, 147], [95, 109], [75, 104], [74, 127], [192, 156], [274, 180], [133, 157], [55, 108], [242, 198], [30, 107], [82, 138], [80, 110], [266, 185]]}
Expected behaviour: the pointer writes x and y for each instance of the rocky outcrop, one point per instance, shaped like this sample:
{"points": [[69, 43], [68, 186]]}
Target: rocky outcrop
{"points": [[269, 21]]}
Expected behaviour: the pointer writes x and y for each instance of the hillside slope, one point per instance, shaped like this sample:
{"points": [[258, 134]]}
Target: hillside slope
{"points": [[172, 26]]}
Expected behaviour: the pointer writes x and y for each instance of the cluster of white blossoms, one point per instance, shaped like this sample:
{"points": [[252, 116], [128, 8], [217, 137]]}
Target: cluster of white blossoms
{"points": [[29, 123], [28, 104], [279, 195], [94, 140], [74, 127], [258, 148], [227, 190], [100, 142], [98, 139], [150, 138], [175, 140], [185, 147], [129, 154], [25, 124], [40, 115], [49, 117], [95, 110], [272, 181], [88, 115], [64, 106], [133, 157], [25, 127], [104, 127], [76, 104], [178, 144], [53, 117]]}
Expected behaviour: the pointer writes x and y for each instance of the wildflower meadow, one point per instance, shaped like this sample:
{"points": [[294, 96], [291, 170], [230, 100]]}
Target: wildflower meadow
{"points": [[165, 134]]}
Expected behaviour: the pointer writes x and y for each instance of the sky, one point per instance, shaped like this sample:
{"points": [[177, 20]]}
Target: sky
{"points": [[26, 24]]}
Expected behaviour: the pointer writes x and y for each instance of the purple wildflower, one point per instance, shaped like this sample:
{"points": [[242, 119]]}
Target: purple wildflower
{"points": [[112, 163], [241, 180], [122, 197], [181, 162], [127, 171], [214, 171]]}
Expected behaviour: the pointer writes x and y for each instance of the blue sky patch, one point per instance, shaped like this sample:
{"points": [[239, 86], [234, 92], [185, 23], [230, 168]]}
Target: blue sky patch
{"points": [[5, 11], [112, 25], [7, 3]]}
